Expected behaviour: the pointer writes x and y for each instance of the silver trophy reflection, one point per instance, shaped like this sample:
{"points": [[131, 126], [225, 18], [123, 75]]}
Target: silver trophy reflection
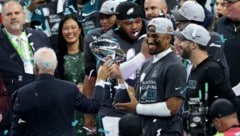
{"points": [[102, 48]]}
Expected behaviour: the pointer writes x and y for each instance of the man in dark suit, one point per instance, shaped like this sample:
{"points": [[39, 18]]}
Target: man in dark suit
{"points": [[46, 106], [13, 64], [16, 62]]}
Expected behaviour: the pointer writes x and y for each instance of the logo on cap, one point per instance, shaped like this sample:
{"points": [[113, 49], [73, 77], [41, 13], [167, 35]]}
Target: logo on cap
{"points": [[130, 11]]}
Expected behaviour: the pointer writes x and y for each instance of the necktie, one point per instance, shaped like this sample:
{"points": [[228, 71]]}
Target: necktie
{"points": [[25, 53]]}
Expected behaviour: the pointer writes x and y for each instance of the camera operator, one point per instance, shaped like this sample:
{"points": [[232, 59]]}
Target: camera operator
{"points": [[207, 80], [224, 117]]}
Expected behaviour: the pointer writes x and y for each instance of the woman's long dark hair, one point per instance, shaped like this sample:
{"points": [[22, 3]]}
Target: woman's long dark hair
{"points": [[62, 44]]}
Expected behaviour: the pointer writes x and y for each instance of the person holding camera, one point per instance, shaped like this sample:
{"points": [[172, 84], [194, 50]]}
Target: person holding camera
{"points": [[207, 80]]}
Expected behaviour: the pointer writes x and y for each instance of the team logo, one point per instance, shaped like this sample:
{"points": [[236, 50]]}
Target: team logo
{"points": [[130, 11]]}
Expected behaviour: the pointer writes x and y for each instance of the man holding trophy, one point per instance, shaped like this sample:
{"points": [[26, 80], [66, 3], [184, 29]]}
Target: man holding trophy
{"points": [[125, 37], [158, 99], [128, 29]]}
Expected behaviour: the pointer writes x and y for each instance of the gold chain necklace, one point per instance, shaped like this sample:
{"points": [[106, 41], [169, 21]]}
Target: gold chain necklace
{"points": [[236, 28]]}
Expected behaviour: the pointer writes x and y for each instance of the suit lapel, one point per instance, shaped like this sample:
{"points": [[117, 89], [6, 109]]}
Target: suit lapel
{"points": [[9, 49]]}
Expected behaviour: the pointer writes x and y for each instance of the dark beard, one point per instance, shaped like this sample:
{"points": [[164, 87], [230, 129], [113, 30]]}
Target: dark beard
{"points": [[186, 54], [153, 53], [220, 15]]}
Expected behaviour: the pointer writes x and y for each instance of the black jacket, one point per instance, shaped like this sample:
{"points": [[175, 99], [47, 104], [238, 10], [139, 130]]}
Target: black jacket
{"points": [[46, 107]]}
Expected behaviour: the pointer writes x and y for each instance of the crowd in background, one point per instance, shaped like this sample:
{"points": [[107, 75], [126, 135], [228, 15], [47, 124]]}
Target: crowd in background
{"points": [[172, 55]]}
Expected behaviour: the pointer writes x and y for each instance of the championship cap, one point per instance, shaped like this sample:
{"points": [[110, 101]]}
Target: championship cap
{"points": [[109, 7], [162, 25], [189, 11], [195, 33]]}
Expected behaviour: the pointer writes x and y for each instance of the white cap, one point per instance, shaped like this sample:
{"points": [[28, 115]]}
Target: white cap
{"points": [[190, 11], [162, 25], [195, 33], [109, 7]]}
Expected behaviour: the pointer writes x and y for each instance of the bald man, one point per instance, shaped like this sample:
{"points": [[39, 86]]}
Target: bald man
{"points": [[155, 8]]}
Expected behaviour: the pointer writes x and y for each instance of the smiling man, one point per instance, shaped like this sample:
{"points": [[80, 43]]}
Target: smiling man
{"points": [[18, 45], [159, 84], [155, 8], [129, 27], [127, 32], [207, 76]]}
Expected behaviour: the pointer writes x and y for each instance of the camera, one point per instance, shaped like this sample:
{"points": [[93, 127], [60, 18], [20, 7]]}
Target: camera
{"points": [[196, 118]]}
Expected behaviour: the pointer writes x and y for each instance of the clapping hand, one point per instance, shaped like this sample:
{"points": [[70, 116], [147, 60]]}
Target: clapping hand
{"points": [[144, 49]]}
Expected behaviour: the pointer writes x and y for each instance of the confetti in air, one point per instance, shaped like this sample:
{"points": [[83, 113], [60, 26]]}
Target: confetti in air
{"points": [[74, 123], [114, 39], [116, 29], [5, 132], [103, 131], [131, 19], [89, 31], [222, 38]]}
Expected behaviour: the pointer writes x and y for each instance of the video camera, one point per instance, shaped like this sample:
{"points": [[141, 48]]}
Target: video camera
{"points": [[196, 118]]}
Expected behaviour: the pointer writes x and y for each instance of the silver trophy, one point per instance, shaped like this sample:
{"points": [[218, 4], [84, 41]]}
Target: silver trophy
{"points": [[102, 48]]}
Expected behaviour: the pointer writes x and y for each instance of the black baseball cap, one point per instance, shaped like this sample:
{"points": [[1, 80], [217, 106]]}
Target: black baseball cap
{"points": [[128, 10], [220, 108]]}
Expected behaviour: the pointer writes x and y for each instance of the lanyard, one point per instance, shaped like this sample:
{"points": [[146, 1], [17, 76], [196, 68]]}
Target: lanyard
{"points": [[18, 47]]}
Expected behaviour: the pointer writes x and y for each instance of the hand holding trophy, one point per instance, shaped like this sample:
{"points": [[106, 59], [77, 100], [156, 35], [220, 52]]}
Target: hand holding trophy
{"points": [[105, 49]]}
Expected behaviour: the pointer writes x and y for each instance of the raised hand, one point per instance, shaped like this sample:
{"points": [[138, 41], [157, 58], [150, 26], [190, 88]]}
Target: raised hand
{"points": [[144, 49], [104, 70]]}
